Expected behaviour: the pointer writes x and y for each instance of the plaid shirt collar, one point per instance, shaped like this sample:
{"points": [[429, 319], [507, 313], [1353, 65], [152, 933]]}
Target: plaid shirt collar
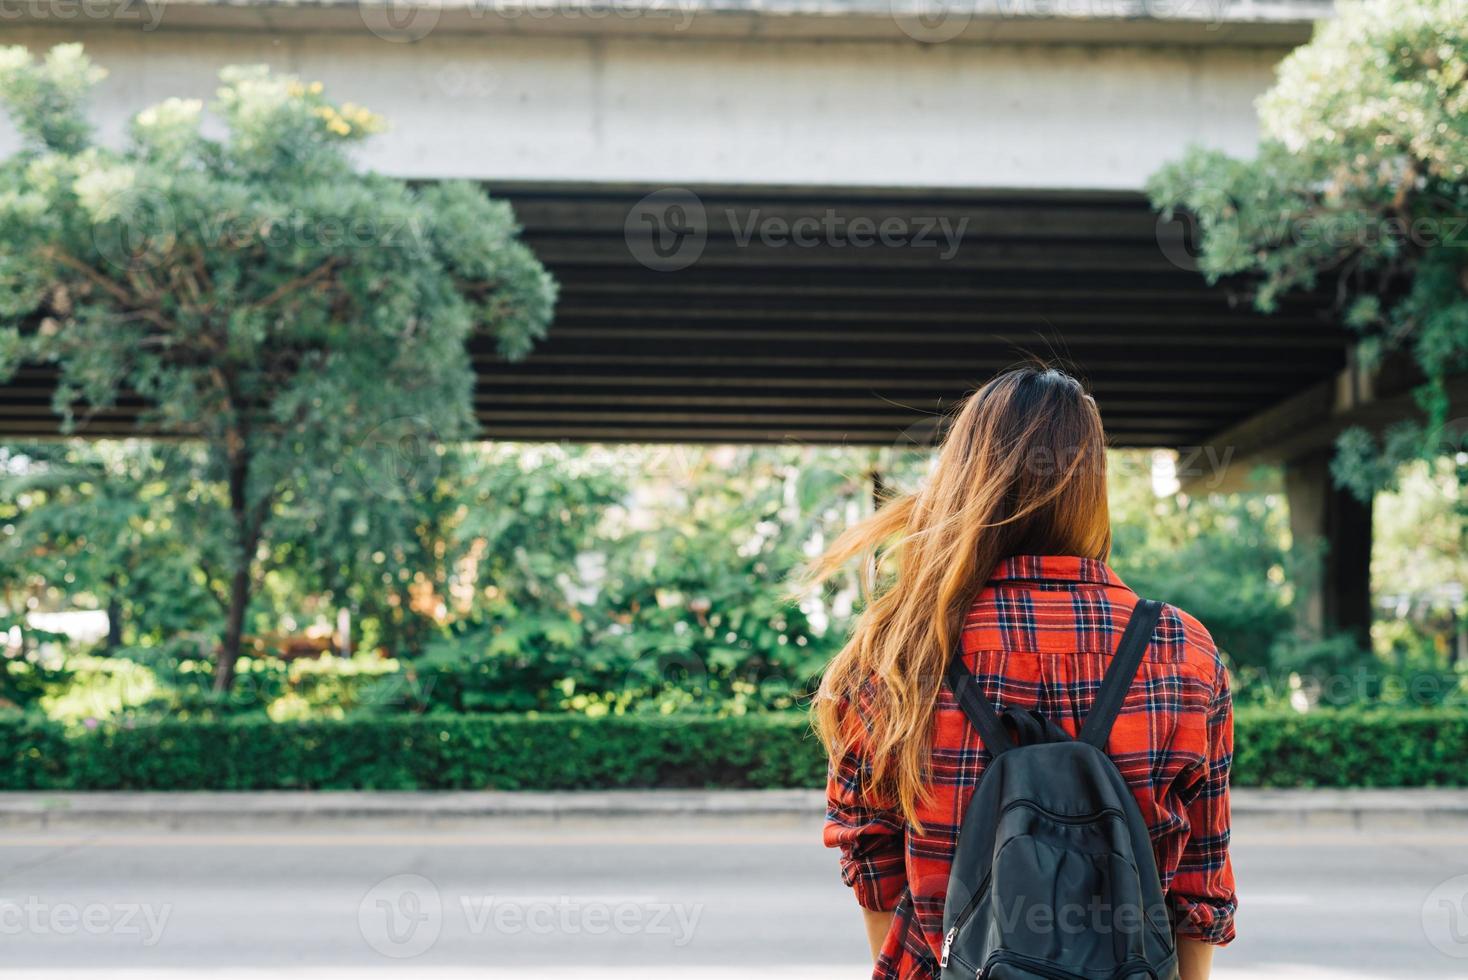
{"points": [[1056, 568]]}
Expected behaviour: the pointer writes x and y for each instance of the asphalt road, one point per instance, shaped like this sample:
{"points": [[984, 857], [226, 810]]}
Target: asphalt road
{"points": [[626, 898]]}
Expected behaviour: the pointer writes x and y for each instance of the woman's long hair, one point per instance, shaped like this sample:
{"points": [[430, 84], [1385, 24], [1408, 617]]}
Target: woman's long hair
{"points": [[1022, 471]]}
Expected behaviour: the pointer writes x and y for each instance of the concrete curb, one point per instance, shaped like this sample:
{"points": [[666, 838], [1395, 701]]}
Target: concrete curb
{"points": [[256, 810], [337, 805], [1357, 809], [1339, 809]]}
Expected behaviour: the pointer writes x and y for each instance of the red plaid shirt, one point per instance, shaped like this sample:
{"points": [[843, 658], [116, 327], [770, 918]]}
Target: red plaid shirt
{"points": [[1040, 635]]}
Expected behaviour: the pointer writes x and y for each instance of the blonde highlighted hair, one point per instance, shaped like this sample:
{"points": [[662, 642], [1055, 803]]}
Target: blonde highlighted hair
{"points": [[1021, 471]]}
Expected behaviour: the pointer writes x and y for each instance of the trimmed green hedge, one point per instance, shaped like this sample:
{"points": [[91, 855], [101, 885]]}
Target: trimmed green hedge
{"points": [[415, 752], [1351, 747], [1273, 748]]}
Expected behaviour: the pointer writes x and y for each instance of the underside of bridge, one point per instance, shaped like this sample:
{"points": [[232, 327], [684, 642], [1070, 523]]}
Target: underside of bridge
{"points": [[852, 316], [819, 315]]}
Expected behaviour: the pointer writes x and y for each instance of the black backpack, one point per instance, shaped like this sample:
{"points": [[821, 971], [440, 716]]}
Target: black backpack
{"points": [[1053, 875]]}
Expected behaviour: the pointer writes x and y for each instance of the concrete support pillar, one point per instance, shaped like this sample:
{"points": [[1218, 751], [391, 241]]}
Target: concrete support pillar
{"points": [[1332, 537]]}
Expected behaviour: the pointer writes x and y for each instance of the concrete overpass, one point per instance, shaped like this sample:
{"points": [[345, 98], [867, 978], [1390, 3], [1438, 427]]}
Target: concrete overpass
{"points": [[815, 220]]}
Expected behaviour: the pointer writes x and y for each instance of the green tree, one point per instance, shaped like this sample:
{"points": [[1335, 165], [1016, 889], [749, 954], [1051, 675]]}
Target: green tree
{"points": [[1221, 557], [514, 543], [697, 604], [259, 293], [489, 546], [117, 523], [1360, 183], [1420, 565]]}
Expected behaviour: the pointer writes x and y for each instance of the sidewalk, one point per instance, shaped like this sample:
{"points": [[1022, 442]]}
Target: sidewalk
{"points": [[1362, 809]]}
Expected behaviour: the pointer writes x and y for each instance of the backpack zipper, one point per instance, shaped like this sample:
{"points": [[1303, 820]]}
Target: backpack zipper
{"points": [[947, 946], [962, 917]]}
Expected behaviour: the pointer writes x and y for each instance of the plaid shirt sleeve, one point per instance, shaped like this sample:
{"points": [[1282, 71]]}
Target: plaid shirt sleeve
{"points": [[1202, 893], [870, 833]]}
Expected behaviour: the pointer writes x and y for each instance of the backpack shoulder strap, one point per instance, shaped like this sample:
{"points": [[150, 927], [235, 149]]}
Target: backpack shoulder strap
{"points": [[980, 712], [1121, 673]]}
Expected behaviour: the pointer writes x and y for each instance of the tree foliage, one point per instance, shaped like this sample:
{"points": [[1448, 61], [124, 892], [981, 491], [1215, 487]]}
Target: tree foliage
{"points": [[639, 579], [1222, 558], [1360, 185], [612, 580], [119, 525], [256, 291]]}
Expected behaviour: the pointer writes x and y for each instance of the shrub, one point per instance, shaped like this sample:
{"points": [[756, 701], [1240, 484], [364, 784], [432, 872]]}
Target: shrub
{"points": [[1351, 747], [166, 685], [427, 752], [1421, 747]]}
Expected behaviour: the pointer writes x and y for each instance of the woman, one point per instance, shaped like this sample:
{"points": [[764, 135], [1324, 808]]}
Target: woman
{"points": [[1003, 563]]}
